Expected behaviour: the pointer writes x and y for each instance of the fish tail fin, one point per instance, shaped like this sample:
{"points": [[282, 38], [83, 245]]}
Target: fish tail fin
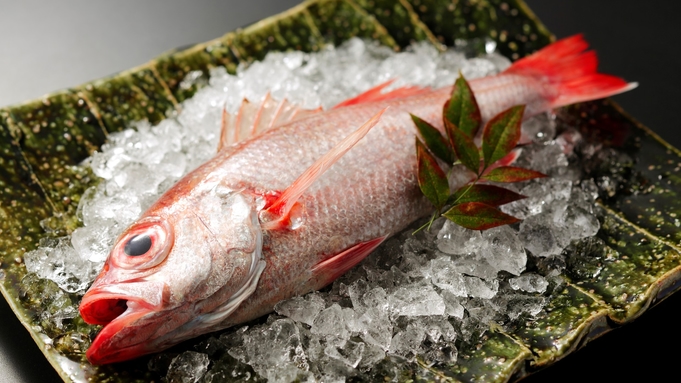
{"points": [[571, 69]]}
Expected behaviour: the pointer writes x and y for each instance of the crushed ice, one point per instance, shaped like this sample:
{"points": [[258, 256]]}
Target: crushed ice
{"points": [[415, 295]]}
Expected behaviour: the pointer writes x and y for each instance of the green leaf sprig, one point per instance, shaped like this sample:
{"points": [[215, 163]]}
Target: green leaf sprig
{"points": [[474, 206]]}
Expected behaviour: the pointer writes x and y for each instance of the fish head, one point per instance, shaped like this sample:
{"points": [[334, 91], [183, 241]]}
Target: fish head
{"points": [[177, 272]]}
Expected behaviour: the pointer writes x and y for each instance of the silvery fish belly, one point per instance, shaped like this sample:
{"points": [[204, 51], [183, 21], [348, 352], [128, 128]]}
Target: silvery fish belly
{"points": [[292, 200]]}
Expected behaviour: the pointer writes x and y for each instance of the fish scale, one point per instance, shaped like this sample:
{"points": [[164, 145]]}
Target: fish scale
{"points": [[219, 252]]}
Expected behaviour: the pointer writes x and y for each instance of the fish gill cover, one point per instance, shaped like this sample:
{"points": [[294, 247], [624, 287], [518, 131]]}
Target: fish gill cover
{"points": [[44, 140]]}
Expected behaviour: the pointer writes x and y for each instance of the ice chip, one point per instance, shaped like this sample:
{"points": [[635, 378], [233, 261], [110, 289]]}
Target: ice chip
{"points": [[453, 307], [537, 236], [531, 283], [331, 321], [408, 341], [376, 328], [479, 288], [188, 367], [350, 354], [61, 264], [416, 300], [503, 250], [524, 305], [93, 243], [301, 309], [454, 239]]}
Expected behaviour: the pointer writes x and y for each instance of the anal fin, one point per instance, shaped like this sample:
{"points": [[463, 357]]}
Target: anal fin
{"points": [[255, 118], [328, 270], [276, 215]]}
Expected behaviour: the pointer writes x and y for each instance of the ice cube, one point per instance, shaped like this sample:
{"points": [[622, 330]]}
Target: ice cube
{"points": [[93, 242], [416, 300], [301, 309], [537, 236], [188, 367], [408, 341], [350, 354], [530, 282], [453, 307], [331, 322], [454, 239], [444, 275], [503, 250], [61, 264], [480, 288], [376, 328]]}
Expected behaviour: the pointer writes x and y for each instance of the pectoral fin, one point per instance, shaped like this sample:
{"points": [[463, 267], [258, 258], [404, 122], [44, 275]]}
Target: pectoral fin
{"points": [[327, 271], [276, 215]]}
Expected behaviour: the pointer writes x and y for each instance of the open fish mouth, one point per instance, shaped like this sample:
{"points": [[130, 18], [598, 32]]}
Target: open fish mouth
{"points": [[126, 330]]}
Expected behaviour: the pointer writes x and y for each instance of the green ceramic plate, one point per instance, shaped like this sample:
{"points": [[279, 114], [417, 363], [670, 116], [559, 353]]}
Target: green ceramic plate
{"points": [[44, 140]]}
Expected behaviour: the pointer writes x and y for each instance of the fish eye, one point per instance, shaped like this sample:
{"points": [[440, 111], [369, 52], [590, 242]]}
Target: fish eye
{"points": [[144, 245], [137, 245]]}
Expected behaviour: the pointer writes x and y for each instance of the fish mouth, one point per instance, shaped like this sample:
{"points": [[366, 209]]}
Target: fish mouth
{"points": [[126, 329]]}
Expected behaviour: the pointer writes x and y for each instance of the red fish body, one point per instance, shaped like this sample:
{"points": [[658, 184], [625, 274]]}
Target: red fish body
{"points": [[245, 230]]}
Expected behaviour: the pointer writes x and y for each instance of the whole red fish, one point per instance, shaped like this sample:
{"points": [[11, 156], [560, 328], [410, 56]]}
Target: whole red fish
{"points": [[302, 198]]}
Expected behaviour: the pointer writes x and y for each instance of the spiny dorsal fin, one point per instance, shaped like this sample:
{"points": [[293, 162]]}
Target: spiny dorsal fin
{"points": [[255, 118], [276, 215], [376, 94]]}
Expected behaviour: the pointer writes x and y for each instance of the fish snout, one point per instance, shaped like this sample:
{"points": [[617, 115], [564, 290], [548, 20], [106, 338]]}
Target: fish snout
{"points": [[101, 305], [125, 311]]}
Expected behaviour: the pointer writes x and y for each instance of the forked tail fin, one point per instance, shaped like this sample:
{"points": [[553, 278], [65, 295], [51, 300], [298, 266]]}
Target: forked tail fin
{"points": [[567, 65]]}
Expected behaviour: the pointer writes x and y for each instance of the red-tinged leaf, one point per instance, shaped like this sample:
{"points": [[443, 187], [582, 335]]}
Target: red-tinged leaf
{"points": [[464, 147], [434, 140], [501, 134], [432, 180], [512, 174], [462, 109], [487, 194], [478, 216]]}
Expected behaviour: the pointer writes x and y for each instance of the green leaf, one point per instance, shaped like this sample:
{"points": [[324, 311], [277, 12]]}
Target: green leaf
{"points": [[432, 180], [512, 174], [434, 140], [464, 147], [501, 134], [462, 109], [487, 194], [478, 216]]}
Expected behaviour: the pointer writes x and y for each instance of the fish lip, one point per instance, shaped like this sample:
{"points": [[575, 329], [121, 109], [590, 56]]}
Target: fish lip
{"points": [[105, 349], [96, 305], [120, 309]]}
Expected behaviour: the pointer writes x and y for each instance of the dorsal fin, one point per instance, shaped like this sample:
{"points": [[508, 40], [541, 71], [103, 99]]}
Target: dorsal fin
{"points": [[255, 118], [375, 94], [276, 215]]}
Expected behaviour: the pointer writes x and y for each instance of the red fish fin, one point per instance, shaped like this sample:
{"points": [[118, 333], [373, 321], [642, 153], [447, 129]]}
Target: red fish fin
{"points": [[276, 215], [255, 118], [327, 271], [571, 70], [375, 94]]}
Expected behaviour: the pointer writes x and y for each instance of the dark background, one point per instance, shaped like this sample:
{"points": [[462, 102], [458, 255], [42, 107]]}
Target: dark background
{"points": [[45, 46]]}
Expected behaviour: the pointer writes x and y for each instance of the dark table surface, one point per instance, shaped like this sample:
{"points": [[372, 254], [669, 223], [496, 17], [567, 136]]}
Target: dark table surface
{"points": [[51, 45]]}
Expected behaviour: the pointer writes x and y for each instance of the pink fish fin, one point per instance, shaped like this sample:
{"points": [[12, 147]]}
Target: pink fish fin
{"points": [[276, 215], [255, 118], [570, 70], [375, 94], [328, 270]]}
